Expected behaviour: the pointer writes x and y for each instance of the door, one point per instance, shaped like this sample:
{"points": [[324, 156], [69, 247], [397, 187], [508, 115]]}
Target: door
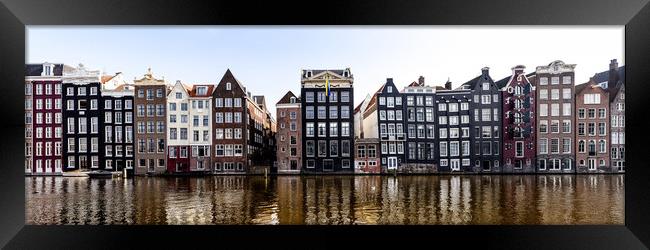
{"points": [[392, 162], [294, 164], [592, 164], [328, 165], [119, 165], [48, 166], [152, 165], [455, 165], [486, 166], [83, 162], [57, 166]]}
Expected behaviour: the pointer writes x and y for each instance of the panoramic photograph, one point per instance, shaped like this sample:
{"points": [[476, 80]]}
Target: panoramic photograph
{"points": [[324, 125]]}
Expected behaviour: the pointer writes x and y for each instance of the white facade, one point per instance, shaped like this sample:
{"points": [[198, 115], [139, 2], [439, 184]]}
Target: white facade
{"points": [[178, 116]]}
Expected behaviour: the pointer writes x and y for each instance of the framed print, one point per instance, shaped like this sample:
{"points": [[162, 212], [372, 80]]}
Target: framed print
{"points": [[172, 124]]}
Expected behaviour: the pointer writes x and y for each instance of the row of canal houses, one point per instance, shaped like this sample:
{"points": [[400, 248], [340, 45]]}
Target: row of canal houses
{"points": [[79, 119], [538, 122]]}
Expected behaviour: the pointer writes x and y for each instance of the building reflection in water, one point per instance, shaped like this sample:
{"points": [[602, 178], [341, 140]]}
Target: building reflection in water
{"points": [[328, 200]]}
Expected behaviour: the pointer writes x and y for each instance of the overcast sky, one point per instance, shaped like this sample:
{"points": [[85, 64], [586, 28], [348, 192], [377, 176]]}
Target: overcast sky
{"points": [[268, 60]]}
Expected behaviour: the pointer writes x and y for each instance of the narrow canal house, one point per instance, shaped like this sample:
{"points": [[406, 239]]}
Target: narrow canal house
{"points": [[485, 123], [555, 117], [384, 119], [454, 134], [200, 100], [367, 158], [614, 81], [238, 127], [518, 122], [116, 126], [264, 154], [81, 118], [43, 118], [327, 120], [289, 134], [150, 119], [420, 117], [592, 106], [178, 123]]}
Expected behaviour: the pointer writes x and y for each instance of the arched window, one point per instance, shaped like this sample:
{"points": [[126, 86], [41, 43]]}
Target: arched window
{"points": [[581, 146], [592, 147], [602, 147], [292, 100], [228, 86], [518, 90], [517, 117], [517, 104]]}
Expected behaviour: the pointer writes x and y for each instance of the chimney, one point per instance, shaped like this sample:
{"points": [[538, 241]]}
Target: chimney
{"points": [[613, 64], [613, 73], [421, 81], [249, 94], [448, 85], [485, 71]]}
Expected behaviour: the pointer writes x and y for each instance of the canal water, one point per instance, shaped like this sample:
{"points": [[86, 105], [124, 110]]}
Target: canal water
{"points": [[328, 200]]}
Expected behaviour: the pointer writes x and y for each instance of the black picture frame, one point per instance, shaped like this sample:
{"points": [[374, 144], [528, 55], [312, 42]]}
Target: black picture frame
{"points": [[15, 14]]}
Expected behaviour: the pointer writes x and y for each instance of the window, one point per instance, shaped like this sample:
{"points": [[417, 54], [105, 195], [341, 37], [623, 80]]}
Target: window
{"points": [[555, 94], [485, 99], [345, 96], [442, 133], [485, 114], [442, 107], [601, 113], [322, 130], [591, 129], [566, 109], [519, 149], [555, 126], [555, 80], [601, 128], [543, 146], [566, 145], [345, 111], [321, 112], [555, 109], [310, 129], [566, 80], [345, 129], [443, 149], [345, 148], [592, 99], [333, 112], [310, 149], [333, 129], [566, 126]]}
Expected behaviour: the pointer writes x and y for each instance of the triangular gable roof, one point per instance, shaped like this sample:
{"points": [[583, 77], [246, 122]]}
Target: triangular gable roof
{"points": [[228, 76], [184, 87], [287, 98]]}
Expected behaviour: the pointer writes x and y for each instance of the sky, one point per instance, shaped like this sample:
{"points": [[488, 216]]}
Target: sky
{"points": [[268, 59]]}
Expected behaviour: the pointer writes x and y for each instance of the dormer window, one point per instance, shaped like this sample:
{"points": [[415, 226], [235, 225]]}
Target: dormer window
{"points": [[228, 86], [201, 90], [346, 73], [309, 73], [47, 70]]}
